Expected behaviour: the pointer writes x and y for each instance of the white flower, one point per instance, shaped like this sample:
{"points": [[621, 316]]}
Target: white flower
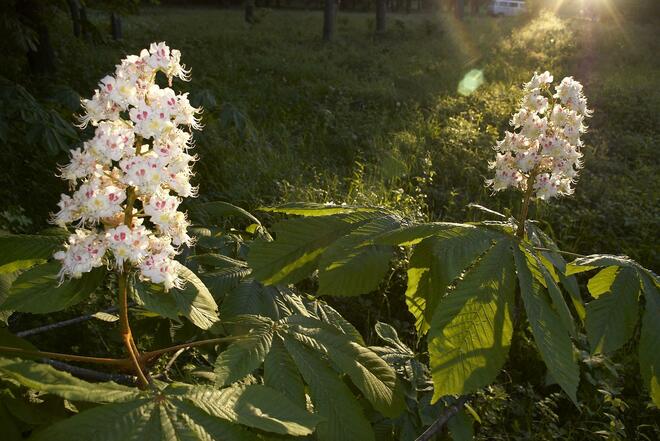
{"points": [[539, 80], [83, 252], [161, 268], [545, 151], [111, 142], [128, 244], [139, 155]]}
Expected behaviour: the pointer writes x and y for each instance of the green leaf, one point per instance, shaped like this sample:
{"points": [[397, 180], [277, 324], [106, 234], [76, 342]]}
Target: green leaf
{"points": [[9, 430], [602, 281], [38, 290], [298, 246], [264, 408], [315, 209], [370, 373], [471, 329], [222, 281], [6, 280], [412, 235], [436, 262], [597, 260], [211, 213], [649, 341], [245, 355], [145, 419], [153, 298], [216, 260], [344, 418], [354, 265], [540, 271], [281, 374], [539, 238], [612, 317], [9, 340], [195, 301], [329, 315], [23, 251], [45, 378], [251, 297], [255, 406], [552, 338], [389, 334], [461, 427]]}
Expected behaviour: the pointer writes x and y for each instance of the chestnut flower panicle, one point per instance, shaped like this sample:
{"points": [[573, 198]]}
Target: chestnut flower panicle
{"points": [[129, 179], [543, 150]]}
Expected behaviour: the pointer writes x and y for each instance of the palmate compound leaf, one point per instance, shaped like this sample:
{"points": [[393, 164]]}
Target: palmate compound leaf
{"points": [[246, 354], [343, 416], [38, 290], [623, 320], [471, 329], [354, 264], [299, 245], [437, 261], [371, 374], [179, 411], [551, 336]]}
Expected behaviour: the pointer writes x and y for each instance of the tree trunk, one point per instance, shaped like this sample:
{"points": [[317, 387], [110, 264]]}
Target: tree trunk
{"points": [[115, 26], [459, 9], [329, 12], [42, 58], [475, 4], [74, 9], [249, 11], [381, 8], [86, 32]]}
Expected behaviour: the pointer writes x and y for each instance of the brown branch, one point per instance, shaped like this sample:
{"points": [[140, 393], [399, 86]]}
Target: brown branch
{"points": [[148, 356], [522, 217], [442, 419], [145, 357]]}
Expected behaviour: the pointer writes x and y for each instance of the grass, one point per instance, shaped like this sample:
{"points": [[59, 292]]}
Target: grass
{"points": [[366, 120]]}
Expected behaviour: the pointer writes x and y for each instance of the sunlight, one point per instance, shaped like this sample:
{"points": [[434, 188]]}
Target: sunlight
{"points": [[471, 82]]}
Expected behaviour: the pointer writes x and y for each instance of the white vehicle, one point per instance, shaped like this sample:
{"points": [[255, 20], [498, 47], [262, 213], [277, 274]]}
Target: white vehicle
{"points": [[507, 7]]}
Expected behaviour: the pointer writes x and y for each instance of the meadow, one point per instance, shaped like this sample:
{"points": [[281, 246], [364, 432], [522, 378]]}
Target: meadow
{"points": [[379, 120], [372, 120]]}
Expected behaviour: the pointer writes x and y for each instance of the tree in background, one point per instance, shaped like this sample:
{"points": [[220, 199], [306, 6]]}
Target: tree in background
{"points": [[329, 12], [381, 8]]}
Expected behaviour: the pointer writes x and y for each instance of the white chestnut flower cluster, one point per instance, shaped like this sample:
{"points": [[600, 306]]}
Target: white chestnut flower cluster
{"points": [[128, 180], [543, 150]]}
